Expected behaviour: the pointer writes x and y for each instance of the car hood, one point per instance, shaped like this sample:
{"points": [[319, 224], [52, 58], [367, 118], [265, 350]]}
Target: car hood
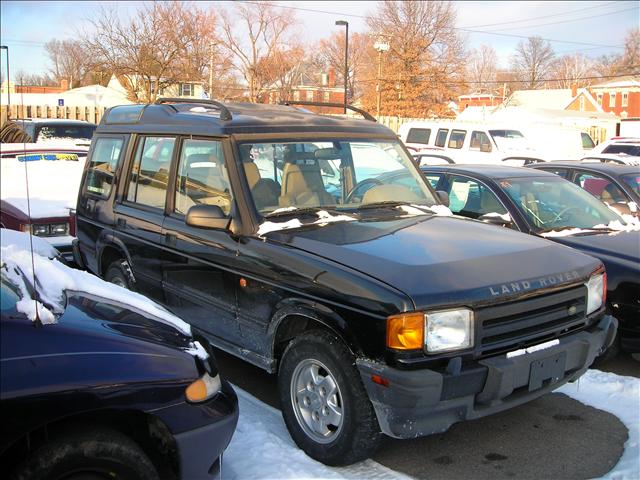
{"points": [[615, 247], [441, 261]]}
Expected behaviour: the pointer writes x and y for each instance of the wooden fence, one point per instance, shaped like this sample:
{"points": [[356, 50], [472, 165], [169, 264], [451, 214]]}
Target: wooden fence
{"points": [[90, 114]]}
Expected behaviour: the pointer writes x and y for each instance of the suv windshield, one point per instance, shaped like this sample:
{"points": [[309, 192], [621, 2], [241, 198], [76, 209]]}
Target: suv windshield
{"points": [[342, 175], [555, 204]]}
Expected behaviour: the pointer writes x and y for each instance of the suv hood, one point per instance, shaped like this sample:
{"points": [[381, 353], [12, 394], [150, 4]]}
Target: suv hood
{"points": [[441, 261]]}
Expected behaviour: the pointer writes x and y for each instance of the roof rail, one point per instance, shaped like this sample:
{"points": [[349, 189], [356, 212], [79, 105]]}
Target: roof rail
{"points": [[365, 114], [225, 114]]}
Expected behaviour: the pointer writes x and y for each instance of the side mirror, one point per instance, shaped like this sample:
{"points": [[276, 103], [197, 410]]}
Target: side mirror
{"points": [[443, 197], [207, 216], [495, 219]]}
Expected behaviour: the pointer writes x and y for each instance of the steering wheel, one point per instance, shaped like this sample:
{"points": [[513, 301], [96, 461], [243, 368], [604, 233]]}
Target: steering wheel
{"points": [[563, 211], [367, 181]]}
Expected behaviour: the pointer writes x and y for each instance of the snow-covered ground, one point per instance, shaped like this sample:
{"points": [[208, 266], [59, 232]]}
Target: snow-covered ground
{"points": [[262, 448]]}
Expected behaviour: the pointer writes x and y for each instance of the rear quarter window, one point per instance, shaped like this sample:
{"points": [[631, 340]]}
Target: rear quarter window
{"points": [[107, 152], [419, 135]]}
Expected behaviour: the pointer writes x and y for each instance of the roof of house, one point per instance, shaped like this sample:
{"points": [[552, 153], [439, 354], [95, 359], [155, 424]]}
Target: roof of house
{"points": [[553, 99], [627, 83], [588, 96]]}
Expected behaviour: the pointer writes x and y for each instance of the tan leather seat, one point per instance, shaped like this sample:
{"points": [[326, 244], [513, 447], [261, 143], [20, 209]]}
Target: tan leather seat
{"points": [[252, 173], [385, 193], [302, 185]]}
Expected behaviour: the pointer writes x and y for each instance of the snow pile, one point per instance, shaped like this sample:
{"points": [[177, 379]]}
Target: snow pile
{"points": [[619, 396], [324, 218], [505, 216], [262, 448], [53, 186], [54, 278], [21, 240], [439, 210], [615, 225]]}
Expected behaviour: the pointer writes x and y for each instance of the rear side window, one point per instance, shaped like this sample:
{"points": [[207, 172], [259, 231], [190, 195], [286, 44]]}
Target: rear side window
{"points": [[419, 135], [441, 137], [587, 143], [457, 138], [480, 141], [149, 174], [102, 167]]}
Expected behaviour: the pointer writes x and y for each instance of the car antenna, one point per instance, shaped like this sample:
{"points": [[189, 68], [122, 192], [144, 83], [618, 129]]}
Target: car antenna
{"points": [[26, 178]]}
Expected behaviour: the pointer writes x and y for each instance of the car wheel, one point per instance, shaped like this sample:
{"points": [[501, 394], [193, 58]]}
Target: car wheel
{"points": [[89, 454], [324, 403], [118, 273]]}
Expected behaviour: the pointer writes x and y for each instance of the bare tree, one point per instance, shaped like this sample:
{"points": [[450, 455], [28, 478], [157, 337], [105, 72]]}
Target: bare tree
{"points": [[426, 56], [34, 79], [533, 62], [571, 70], [162, 44], [630, 61], [483, 69], [69, 61], [252, 37]]}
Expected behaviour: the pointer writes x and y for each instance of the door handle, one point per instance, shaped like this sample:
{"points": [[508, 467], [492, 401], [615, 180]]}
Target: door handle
{"points": [[170, 239]]}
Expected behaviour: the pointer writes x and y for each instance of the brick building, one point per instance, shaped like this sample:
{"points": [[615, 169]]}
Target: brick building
{"points": [[621, 97], [478, 100]]}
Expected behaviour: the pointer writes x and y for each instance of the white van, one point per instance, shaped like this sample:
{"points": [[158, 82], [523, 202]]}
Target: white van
{"points": [[559, 143], [466, 142]]}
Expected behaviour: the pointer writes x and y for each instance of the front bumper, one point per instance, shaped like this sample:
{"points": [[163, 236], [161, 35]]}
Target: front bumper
{"points": [[422, 402]]}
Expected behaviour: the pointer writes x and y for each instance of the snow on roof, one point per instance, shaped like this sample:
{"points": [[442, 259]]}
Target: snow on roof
{"points": [[89, 96], [554, 99], [54, 278], [632, 83]]}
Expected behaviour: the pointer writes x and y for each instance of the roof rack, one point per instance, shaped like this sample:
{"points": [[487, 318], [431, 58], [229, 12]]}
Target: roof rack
{"points": [[225, 114], [365, 114]]}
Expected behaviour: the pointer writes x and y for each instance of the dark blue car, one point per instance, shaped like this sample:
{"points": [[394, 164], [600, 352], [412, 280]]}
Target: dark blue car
{"points": [[105, 390]]}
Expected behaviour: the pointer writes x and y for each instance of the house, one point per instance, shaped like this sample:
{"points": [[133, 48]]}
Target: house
{"points": [[583, 101], [307, 85], [621, 97], [478, 100], [137, 88], [89, 96]]}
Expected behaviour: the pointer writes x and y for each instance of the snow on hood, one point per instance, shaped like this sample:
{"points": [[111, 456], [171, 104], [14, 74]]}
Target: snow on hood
{"points": [[21, 240], [439, 210], [615, 225], [53, 278], [53, 186], [324, 218], [505, 216]]}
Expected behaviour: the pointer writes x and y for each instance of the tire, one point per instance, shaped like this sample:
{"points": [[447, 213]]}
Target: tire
{"points": [[321, 358], [117, 273], [99, 453]]}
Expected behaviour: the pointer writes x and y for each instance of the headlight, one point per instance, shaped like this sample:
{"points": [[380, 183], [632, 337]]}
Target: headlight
{"points": [[40, 230], [449, 330], [58, 229], [596, 291], [203, 389]]}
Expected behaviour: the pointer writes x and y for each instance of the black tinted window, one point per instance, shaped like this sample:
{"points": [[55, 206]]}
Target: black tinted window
{"points": [[441, 138], [628, 149], [102, 167], [149, 174], [419, 135]]}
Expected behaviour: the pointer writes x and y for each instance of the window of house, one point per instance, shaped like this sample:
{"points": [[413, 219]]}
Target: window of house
{"points": [[441, 137], [186, 89], [625, 99], [599, 98], [309, 95], [326, 96], [149, 173], [202, 176], [457, 138], [102, 168], [582, 103], [612, 100], [419, 135], [296, 95]]}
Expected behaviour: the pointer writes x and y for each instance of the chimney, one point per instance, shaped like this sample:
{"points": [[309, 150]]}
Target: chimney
{"points": [[64, 84], [574, 90], [332, 77]]}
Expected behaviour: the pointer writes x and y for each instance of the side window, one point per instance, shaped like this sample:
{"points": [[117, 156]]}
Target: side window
{"points": [[473, 199], [419, 135], [457, 138], [434, 179], [480, 142], [587, 142], [102, 167], [202, 176], [561, 172], [600, 187], [149, 174], [441, 137]]}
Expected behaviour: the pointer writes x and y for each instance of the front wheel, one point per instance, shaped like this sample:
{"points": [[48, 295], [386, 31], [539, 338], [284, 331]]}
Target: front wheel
{"points": [[119, 273], [324, 404]]}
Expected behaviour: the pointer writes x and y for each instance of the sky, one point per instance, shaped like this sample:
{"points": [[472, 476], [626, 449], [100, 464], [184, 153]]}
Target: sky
{"points": [[590, 27]]}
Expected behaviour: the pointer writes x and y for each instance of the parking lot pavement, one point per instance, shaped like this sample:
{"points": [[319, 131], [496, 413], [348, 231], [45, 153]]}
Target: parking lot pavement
{"points": [[552, 437]]}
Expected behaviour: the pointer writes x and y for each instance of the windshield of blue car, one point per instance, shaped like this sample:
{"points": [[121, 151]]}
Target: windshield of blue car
{"points": [[556, 204], [633, 181], [330, 174]]}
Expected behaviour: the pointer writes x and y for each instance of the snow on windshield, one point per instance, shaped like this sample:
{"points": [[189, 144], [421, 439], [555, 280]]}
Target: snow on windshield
{"points": [[54, 278], [53, 186], [615, 225], [324, 218]]}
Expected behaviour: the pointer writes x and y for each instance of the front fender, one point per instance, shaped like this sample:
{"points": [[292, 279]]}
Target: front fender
{"points": [[109, 240]]}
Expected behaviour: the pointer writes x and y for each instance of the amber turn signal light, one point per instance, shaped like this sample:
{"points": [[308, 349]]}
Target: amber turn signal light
{"points": [[406, 331], [197, 391]]}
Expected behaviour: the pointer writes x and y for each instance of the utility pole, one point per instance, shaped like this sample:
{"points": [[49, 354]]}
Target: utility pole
{"points": [[211, 70], [345, 24], [381, 46]]}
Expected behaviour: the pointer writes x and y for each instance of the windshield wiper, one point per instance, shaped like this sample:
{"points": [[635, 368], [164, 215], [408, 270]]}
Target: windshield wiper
{"points": [[384, 204], [582, 229], [285, 212]]}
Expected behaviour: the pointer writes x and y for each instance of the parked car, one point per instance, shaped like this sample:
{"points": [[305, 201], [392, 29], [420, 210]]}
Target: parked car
{"points": [[42, 130], [621, 158], [380, 312], [101, 382], [616, 185], [543, 204], [617, 145], [53, 181]]}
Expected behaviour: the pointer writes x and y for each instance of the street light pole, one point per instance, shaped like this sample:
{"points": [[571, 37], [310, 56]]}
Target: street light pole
{"points": [[211, 71], [346, 58], [4, 47], [381, 46]]}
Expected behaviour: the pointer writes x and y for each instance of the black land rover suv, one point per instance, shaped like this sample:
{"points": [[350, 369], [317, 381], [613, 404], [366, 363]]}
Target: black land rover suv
{"points": [[272, 231]]}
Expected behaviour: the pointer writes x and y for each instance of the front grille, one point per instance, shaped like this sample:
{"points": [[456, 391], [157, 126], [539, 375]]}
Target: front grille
{"points": [[518, 324]]}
